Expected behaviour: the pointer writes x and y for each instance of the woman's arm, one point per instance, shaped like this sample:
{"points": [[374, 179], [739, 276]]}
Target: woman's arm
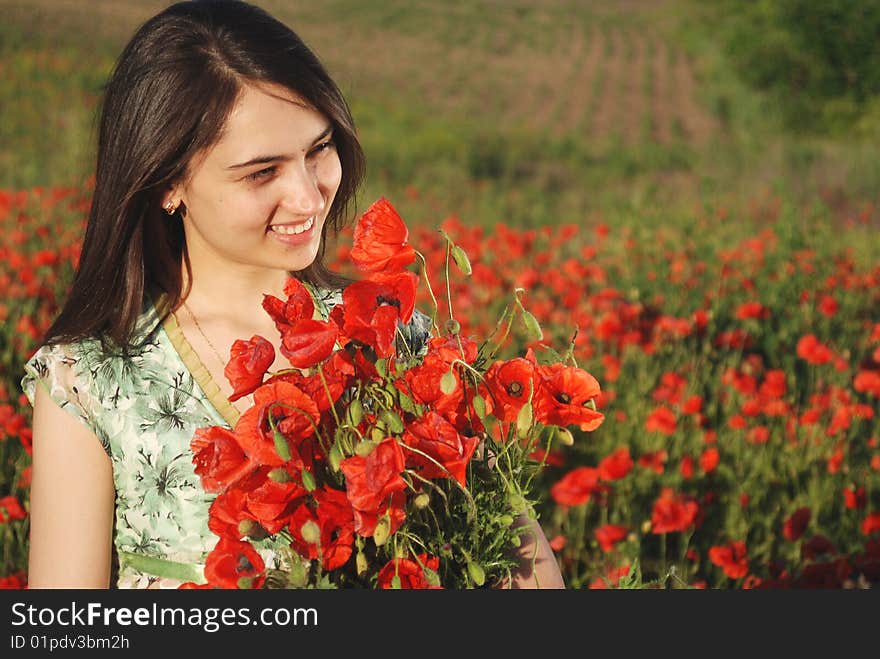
{"points": [[71, 502], [537, 564]]}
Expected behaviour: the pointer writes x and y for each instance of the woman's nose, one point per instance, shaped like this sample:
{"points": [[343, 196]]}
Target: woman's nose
{"points": [[302, 194]]}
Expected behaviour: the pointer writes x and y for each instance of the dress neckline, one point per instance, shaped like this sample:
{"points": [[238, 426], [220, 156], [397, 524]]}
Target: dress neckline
{"points": [[194, 364], [197, 368]]}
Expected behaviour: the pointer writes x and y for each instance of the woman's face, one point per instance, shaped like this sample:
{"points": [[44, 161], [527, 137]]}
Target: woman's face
{"points": [[259, 196]]}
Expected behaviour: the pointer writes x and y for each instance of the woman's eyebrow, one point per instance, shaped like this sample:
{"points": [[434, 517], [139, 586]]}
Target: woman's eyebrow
{"points": [[262, 160]]}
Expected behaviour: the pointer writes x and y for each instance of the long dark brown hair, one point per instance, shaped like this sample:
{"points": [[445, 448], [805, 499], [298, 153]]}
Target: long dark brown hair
{"points": [[167, 99]]}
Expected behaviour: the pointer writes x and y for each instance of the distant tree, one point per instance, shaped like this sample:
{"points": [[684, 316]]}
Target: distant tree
{"points": [[819, 59]]}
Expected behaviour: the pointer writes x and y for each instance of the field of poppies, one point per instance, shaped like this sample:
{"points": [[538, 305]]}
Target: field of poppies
{"points": [[735, 330]]}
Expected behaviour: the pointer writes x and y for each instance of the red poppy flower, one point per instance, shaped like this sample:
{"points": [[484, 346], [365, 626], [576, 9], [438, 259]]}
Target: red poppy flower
{"points": [[298, 306], [373, 307], [394, 507], [854, 497], [867, 381], [563, 396], [654, 460], [810, 349], [609, 535], [448, 453], [218, 458], [309, 342], [293, 413], [611, 579], [336, 519], [380, 240], [661, 419], [794, 527], [673, 512], [731, 558], [709, 460], [231, 561], [686, 468], [10, 509], [871, 524], [247, 365], [423, 383], [510, 383], [273, 503], [576, 487], [410, 572], [616, 465], [332, 514], [370, 481], [227, 512]]}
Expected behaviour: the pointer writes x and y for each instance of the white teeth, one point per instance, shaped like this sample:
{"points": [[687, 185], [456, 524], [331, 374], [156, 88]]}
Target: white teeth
{"points": [[289, 230]]}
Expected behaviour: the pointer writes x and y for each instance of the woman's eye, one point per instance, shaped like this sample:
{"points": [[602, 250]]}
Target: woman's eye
{"points": [[263, 173], [323, 146]]}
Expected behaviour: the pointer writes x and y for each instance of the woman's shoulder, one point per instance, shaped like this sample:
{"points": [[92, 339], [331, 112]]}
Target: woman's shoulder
{"points": [[68, 368]]}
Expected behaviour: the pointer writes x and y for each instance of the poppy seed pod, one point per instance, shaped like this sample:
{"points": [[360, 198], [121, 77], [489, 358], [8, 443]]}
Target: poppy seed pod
{"points": [[310, 531], [279, 475], [382, 531], [477, 573]]}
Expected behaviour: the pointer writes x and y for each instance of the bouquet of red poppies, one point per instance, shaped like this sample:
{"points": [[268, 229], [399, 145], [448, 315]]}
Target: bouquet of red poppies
{"points": [[391, 454]]}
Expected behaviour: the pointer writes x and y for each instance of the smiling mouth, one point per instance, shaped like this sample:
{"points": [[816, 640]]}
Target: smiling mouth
{"points": [[292, 229]]}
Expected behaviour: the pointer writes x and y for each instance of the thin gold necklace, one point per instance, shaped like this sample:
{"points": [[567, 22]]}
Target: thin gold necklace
{"points": [[205, 336]]}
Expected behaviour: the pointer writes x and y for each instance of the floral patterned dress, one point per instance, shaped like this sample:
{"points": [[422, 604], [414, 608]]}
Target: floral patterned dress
{"points": [[144, 410]]}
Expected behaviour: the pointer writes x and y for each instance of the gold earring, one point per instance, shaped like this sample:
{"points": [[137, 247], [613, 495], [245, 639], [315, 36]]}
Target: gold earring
{"points": [[170, 208]]}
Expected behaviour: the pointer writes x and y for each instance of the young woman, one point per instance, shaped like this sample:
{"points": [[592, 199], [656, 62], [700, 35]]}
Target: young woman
{"points": [[226, 157]]}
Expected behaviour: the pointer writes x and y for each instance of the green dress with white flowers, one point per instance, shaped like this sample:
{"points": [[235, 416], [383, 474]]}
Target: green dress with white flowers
{"points": [[145, 409]]}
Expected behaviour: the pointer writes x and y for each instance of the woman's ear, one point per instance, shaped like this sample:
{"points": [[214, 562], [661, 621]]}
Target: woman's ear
{"points": [[171, 200]]}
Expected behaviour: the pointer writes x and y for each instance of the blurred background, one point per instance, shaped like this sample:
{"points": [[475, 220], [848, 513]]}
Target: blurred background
{"points": [[523, 112], [693, 184]]}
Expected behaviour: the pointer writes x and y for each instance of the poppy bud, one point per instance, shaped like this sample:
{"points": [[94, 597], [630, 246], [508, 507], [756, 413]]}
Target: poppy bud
{"points": [[282, 448], [421, 500], [461, 259], [279, 475], [355, 412], [517, 502], [515, 541], [646, 526], [507, 520], [382, 530], [308, 480], [479, 405], [453, 326], [392, 421], [335, 456], [477, 573], [564, 436], [448, 383], [252, 529], [524, 420], [361, 563], [310, 531], [532, 325], [364, 448]]}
